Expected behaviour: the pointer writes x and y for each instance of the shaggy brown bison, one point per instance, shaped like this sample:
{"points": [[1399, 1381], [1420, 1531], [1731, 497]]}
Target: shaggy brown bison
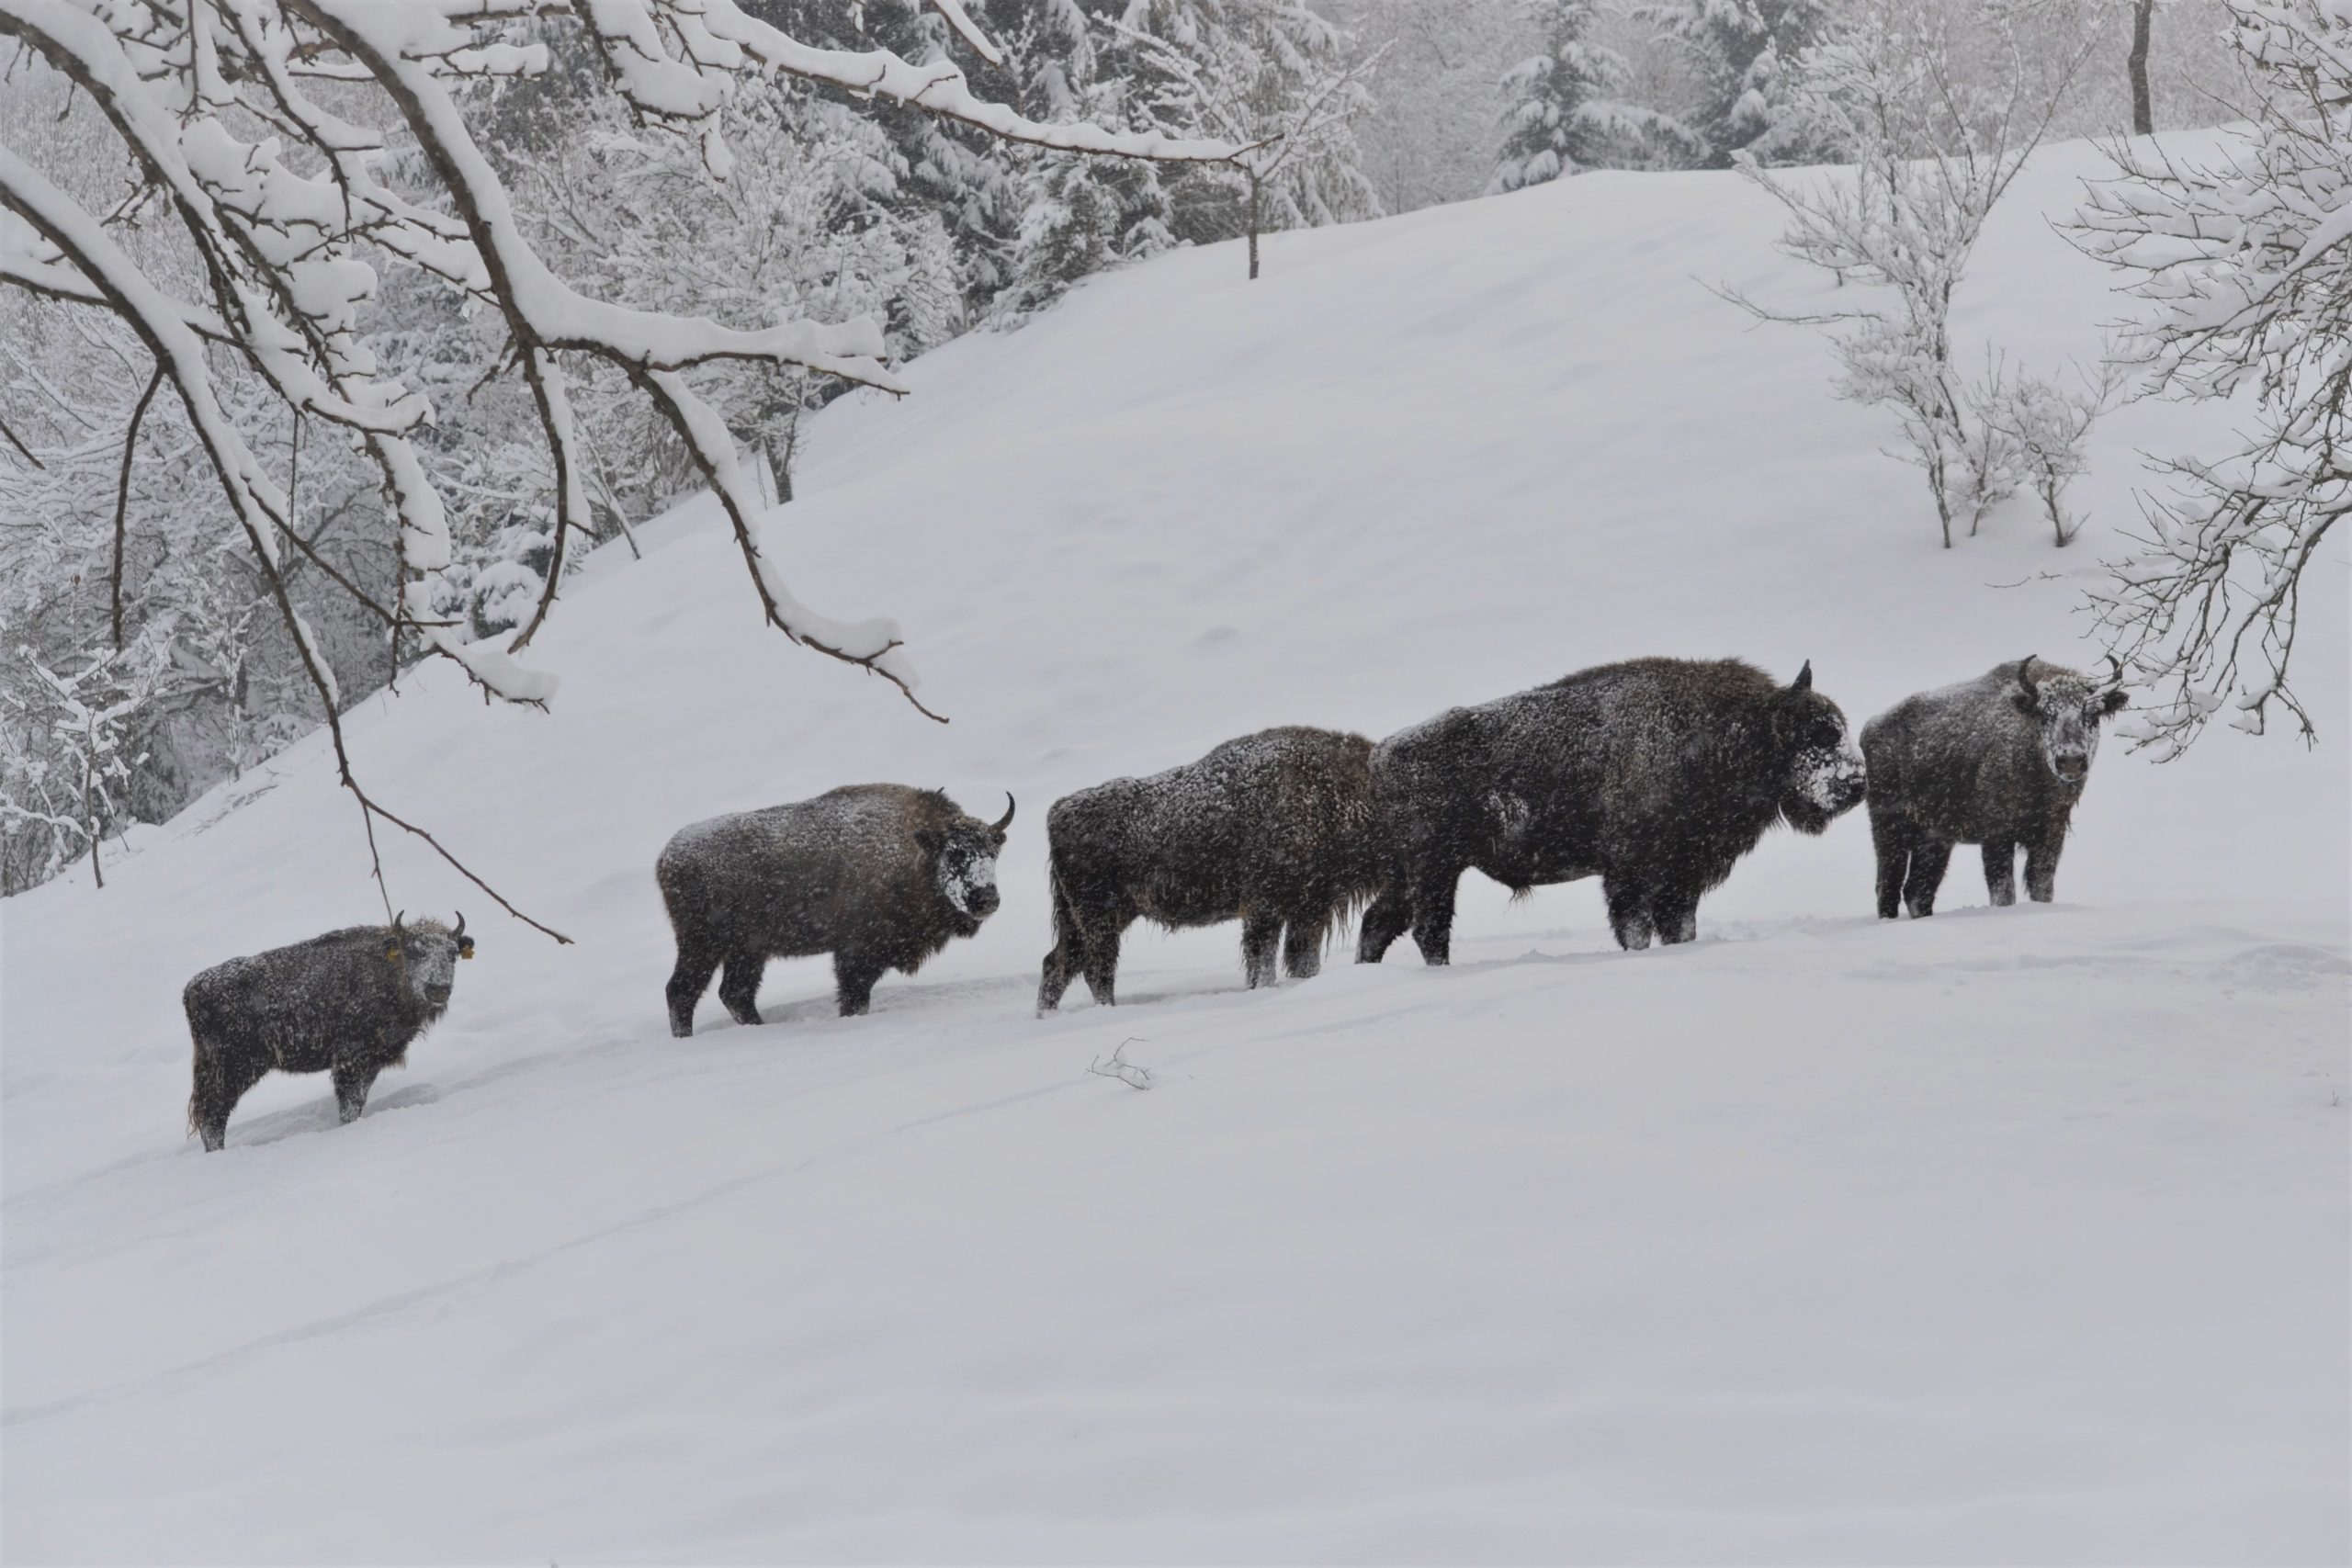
{"points": [[1999, 761], [349, 1003], [1271, 829], [1656, 775], [881, 876]]}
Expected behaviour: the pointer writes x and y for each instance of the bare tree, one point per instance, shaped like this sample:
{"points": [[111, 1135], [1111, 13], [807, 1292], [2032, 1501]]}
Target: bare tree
{"points": [[1932, 154], [2244, 257], [233, 116]]}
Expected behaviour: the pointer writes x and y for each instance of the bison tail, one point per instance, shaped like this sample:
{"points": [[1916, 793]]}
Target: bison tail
{"points": [[1069, 935]]}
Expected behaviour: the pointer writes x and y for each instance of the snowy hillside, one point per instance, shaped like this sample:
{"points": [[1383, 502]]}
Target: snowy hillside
{"points": [[2014, 1234]]}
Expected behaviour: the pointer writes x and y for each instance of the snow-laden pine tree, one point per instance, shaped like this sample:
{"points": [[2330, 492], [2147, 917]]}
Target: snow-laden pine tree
{"points": [[1561, 113], [2243, 254], [1742, 56], [278, 155], [1272, 77]]}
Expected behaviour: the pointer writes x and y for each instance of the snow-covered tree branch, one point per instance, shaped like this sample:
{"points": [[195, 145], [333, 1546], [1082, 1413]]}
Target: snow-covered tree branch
{"points": [[2245, 259], [266, 131]]}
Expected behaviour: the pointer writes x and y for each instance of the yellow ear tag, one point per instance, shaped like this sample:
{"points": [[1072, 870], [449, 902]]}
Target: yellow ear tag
{"points": [[467, 951], [391, 955]]}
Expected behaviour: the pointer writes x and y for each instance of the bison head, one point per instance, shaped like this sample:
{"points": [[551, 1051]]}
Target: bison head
{"points": [[2066, 708], [427, 955], [963, 864], [1822, 774]]}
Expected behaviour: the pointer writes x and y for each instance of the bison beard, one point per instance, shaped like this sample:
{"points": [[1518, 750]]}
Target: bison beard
{"points": [[1271, 828], [881, 876], [1656, 775], [349, 1003]]}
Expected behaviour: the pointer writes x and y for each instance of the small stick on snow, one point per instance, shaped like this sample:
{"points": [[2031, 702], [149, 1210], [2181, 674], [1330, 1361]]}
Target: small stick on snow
{"points": [[1119, 1068]]}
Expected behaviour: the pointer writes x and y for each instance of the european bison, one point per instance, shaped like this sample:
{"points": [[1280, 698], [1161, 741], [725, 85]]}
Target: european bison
{"points": [[349, 1003], [881, 876], [1271, 829], [1999, 761], [1656, 775]]}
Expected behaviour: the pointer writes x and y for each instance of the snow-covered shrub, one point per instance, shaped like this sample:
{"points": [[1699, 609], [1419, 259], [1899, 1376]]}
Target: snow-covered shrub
{"points": [[2244, 258], [1932, 154], [2043, 426]]}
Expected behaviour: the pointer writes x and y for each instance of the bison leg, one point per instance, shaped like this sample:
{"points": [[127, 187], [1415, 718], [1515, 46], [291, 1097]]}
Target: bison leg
{"points": [[1101, 961], [1433, 916], [1630, 918], [352, 1082], [1303, 946], [1055, 979], [738, 985], [1891, 838], [2042, 869], [854, 978], [1261, 935], [222, 1077], [1383, 924], [2001, 873], [697, 965], [1675, 913], [1928, 859]]}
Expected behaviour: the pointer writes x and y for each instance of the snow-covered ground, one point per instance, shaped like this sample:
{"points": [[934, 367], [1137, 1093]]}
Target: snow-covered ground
{"points": [[2016, 1234]]}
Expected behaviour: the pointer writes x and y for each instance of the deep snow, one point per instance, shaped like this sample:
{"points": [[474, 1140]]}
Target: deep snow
{"points": [[2014, 1235]]}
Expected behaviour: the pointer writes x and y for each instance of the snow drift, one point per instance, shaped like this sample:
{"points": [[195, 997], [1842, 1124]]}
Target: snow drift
{"points": [[2016, 1233]]}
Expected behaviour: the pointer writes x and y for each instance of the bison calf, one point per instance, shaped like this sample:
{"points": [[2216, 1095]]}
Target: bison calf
{"points": [[1999, 761], [349, 1003], [1656, 775], [881, 876], [1271, 829]]}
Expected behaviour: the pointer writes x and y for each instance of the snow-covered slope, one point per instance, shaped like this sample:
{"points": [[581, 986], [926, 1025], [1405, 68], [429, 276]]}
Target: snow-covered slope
{"points": [[2015, 1234]]}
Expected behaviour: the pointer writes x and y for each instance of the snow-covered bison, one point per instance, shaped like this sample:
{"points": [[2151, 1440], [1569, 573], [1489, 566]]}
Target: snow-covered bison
{"points": [[1271, 829], [1656, 775], [349, 1003], [1999, 761], [881, 876]]}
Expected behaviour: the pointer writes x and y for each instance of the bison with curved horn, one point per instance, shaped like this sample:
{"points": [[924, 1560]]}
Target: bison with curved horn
{"points": [[881, 876], [349, 1003], [2000, 761], [1656, 775]]}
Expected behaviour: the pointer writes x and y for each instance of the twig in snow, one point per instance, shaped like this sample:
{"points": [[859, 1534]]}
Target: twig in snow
{"points": [[1118, 1067]]}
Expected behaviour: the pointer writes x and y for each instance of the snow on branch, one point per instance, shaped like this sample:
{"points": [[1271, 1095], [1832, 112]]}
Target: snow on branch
{"points": [[282, 210], [2245, 262]]}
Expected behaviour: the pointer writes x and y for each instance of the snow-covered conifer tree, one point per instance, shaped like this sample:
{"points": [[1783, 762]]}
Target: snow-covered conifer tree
{"points": [[1743, 55], [1560, 114], [1269, 75]]}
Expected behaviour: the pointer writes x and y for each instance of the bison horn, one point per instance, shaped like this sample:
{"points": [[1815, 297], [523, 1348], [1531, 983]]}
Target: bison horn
{"points": [[2116, 665], [397, 919], [461, 932], [2025, 674], [1804, 682], [1004, 821]]}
